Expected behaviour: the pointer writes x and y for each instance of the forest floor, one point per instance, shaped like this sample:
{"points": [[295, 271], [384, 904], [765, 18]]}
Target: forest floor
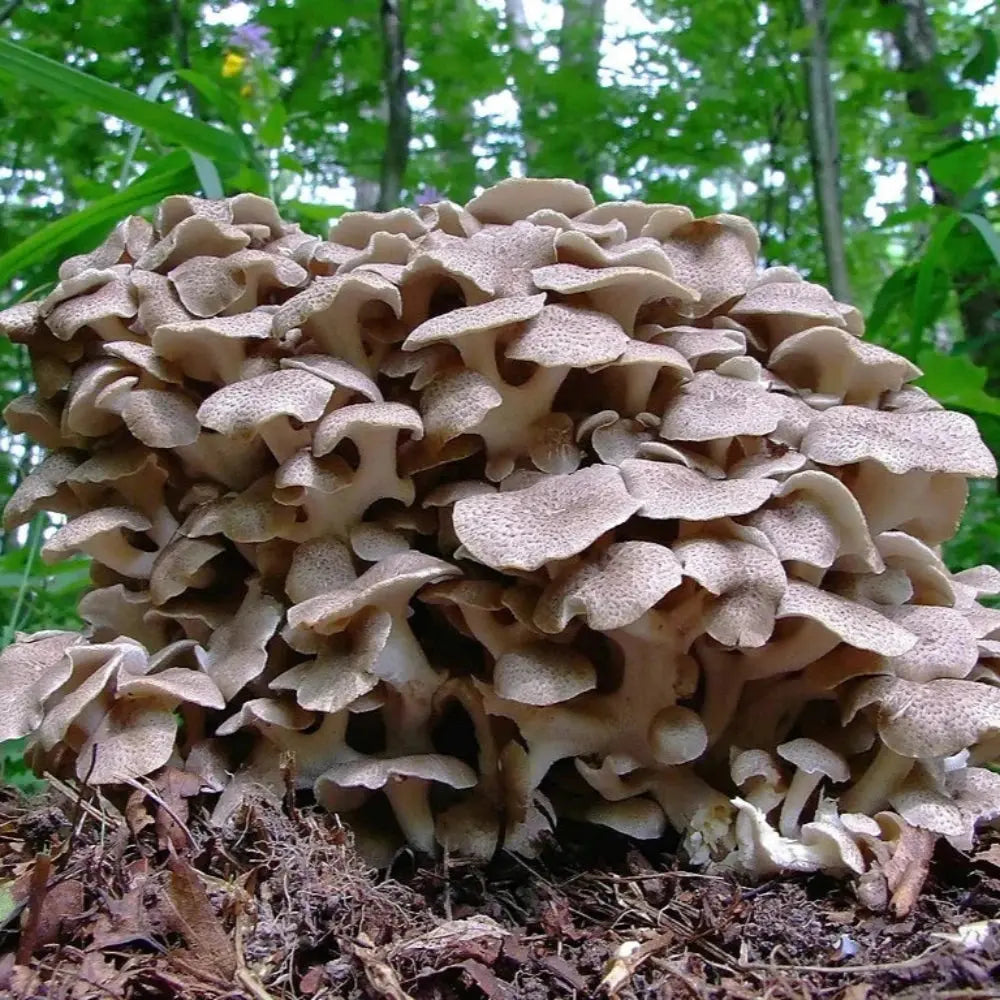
{"points": [[148, 901]]}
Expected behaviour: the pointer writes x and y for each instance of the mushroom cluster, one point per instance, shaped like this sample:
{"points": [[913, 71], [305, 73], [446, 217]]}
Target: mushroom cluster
{"points": [[471, 518]]}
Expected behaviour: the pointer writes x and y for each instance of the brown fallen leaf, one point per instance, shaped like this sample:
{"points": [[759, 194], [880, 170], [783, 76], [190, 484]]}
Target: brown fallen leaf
{"points": [[856, 991], [479, 938], [63, 903], [38, 887], [208, 944], [492, 986], [379, 974]]}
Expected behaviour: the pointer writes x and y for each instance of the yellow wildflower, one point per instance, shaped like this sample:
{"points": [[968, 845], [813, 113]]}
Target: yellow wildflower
{"points": [[246, 90], [233, 64]]}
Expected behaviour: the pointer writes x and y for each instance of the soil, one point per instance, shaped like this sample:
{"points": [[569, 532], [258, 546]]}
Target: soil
{"points": [[145, 900]]}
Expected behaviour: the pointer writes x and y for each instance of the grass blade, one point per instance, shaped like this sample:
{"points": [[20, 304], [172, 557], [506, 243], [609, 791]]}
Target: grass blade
{"points": [[46, 74]]}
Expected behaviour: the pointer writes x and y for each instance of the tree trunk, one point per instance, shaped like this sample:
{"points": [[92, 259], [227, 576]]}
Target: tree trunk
{"points": [[527, 100], [398, 127], [580, 58], [927, 96], [824, 148]]}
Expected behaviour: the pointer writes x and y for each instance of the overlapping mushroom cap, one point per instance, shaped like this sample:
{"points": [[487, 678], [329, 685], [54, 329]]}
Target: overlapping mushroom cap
{"points": [[474, 517]]}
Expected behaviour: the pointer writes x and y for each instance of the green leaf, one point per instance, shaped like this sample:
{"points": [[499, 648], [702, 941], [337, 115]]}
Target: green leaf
{"points": [[989, 234], [896, 289], [172, 175], [930, 268], [70, 84], [955, 381], [960, 167], [208, 176], [272, 131], [983, 63], [153, 92]]}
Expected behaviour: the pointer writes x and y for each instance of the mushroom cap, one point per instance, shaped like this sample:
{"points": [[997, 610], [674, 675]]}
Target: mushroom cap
{"points": [[713, 406], [935, 718], [556, 518], [813, 757], [241, 408], [610, 591], [543, 673], [930, 440]]}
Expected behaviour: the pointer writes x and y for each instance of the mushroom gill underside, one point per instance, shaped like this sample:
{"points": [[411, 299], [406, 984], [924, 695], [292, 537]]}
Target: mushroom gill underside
{"points": [[466, 519]]}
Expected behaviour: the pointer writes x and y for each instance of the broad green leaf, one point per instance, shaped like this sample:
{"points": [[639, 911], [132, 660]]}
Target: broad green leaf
{"points": [[72, 85], [172, 175], [983, 63], [273, 129], [988, 232], [896, 289], [931, 266], [955, 381], [959, 168]]}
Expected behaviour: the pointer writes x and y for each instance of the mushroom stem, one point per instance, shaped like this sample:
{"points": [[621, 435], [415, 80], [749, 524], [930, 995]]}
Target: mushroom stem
{"points": [[695, 809], [282, 439], [985, 752], [802, 785], [872, 790], [411, 807]]}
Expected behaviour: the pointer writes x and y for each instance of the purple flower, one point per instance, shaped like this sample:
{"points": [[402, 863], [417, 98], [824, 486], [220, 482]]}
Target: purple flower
{"points": [[429, 195], [252, 38]]}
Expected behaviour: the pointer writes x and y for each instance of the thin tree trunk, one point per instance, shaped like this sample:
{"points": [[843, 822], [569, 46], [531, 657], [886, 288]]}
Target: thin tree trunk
{"points": [[824, 148], [399, 124], [927, 96], [520, 40], [580, 56]]}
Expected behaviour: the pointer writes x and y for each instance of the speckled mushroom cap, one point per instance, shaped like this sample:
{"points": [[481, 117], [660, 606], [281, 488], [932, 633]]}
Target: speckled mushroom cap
{"points": [[499, 513]]}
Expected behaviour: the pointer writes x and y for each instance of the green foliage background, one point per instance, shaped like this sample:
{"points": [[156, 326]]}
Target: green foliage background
{"points": [[106, 108]]}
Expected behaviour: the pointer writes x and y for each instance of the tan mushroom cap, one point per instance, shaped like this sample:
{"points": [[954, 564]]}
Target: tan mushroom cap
{"points": [[241, 408], [354, 420], [783, 304], [372, 772], [181, 564], [467, 321], [677, 735], [713, 406], [946, 645], [44, 488], [339, 676], [827, 359], [935, 718], [161, 419], [543, 673], [340, 373], [237, 651], [716, 256], [100, 533], [517, 197], [856, 624], [208, 286], [317, 566], [128, 241], [638, 217], [213, 349], [669, 490], [610, 591], [814, 519], [617, 291], [23, 665], [812, 757], [748, 580], [195, 236], [930, 440], [562, 335], [554, 519], [144, 357], [355, 229]]}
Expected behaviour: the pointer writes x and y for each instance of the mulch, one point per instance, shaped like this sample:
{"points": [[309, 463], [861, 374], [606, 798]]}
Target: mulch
{"points": [[143, 899]]}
